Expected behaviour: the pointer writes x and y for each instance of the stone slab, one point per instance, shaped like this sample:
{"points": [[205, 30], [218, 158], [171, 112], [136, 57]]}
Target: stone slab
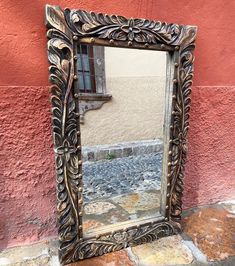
{"points": [[118, 258], [198, 255], [212, 229], [166, 251], [33, 255], [229, 206]]}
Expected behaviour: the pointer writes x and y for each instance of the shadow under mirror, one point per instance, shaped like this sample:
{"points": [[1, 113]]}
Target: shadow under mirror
{"points": [[122, 93]]}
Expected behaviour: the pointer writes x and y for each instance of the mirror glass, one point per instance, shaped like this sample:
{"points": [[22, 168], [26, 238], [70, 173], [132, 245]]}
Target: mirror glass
{"points": [[122, 141]]}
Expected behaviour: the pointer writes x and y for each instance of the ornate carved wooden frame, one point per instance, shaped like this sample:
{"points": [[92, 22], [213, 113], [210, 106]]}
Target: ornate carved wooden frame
{"points": [[65, 29]]}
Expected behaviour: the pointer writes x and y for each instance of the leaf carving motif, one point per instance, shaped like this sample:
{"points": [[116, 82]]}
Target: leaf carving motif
{"points": [[62, 26], [120, 28], [122, 239], [64, 124], [180, 127]]}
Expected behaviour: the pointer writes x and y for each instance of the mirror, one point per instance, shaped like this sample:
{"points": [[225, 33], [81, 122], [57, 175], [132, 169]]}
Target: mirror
{"points": [[122, 142], [120, 102]]}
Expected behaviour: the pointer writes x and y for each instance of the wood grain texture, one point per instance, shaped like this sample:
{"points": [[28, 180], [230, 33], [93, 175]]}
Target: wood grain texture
{"points": [[65, 27]]}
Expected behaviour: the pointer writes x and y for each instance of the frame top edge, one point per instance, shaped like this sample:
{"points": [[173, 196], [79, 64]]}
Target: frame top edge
{"points": [[74, 10]]}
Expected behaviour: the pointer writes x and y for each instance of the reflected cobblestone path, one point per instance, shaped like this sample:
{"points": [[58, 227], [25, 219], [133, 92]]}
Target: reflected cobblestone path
{"points": [[106, 178]]}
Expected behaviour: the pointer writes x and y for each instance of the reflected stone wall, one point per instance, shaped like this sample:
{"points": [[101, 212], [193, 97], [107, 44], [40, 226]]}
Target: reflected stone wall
{"points": [[120, 150]]}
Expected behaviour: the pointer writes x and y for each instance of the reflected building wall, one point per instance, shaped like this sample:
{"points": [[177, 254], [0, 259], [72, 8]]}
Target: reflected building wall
{"points": [[136, 109], [122, 142]]}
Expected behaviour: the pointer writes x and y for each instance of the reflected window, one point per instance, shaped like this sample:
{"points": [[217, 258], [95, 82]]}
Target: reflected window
{"points": [[91, 76]]}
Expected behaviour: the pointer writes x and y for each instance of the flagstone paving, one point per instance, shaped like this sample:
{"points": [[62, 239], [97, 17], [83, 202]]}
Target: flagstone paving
{"points": [[208, 239], [213, 231], [121, 208], [121, 189]]}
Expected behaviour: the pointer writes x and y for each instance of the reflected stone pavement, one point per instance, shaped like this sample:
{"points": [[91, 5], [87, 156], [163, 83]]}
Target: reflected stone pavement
{"points": [[107, 178], [121, 208]]}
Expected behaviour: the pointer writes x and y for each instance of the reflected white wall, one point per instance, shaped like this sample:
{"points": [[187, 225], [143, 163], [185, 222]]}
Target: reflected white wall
{"points": [[136, 80]]}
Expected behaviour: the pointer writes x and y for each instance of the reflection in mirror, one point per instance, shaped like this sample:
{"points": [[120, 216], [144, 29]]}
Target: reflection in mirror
{"points": [[122, 142]]}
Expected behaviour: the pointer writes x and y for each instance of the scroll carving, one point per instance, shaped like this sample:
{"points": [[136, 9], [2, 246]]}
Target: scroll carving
{"points": [[119, 28], [64, 125], [123, 239], [180, 124], [65, 26]]}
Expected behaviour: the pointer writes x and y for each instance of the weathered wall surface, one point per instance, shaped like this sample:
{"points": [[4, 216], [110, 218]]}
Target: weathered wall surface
{"points": [[27, 171], [27, 199], [210, 172]]}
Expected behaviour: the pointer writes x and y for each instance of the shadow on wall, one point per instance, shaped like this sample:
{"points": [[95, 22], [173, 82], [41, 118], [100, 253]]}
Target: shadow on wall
{"points": [[191, 185]]}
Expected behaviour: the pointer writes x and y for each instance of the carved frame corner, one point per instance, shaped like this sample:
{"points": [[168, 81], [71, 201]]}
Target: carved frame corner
{"points": [[65, 28]]}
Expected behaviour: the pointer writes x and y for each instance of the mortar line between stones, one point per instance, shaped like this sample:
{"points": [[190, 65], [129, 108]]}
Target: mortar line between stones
{"points": [[132, 256]]}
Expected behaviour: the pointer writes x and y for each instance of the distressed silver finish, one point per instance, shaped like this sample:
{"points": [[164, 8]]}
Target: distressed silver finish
{"points": [[65, 29]]}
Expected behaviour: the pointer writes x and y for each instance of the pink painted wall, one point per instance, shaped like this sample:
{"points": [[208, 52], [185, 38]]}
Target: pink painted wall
{"points": [[27, 201]]}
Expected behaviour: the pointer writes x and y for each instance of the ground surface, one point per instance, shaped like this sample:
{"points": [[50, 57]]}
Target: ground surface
{"points": [[207, 239]]}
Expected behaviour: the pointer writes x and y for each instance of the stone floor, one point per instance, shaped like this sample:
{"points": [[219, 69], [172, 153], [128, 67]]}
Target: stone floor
{"points": [[208, 239]]}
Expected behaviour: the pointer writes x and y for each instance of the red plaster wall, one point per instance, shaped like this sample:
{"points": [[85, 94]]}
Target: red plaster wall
{"points": [[27, 201], [210, 171]]}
